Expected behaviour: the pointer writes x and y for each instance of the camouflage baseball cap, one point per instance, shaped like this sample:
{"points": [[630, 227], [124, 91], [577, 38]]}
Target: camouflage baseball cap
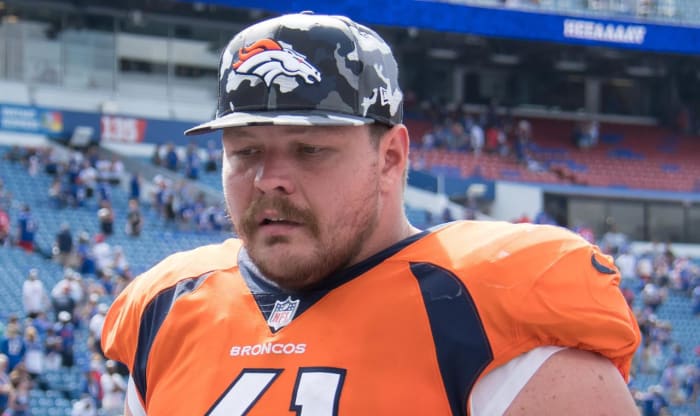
{"points": [[306, 69]]}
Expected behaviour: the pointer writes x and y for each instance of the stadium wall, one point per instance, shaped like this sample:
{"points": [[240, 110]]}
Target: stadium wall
{"points": [[514, 199]]}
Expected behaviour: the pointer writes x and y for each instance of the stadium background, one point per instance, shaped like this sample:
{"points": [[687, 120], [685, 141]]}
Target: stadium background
{"points": [[113, 83]]}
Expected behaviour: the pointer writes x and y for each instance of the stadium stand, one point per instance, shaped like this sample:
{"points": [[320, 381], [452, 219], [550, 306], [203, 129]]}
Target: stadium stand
{"points": [[628, 156], [92, 70]]}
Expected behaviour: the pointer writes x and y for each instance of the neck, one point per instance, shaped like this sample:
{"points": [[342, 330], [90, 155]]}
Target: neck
{"points": [[386, 236]]}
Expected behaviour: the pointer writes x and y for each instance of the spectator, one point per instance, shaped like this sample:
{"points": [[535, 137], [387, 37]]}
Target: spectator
{"points": [[66, 331], [156, 157], [57, 196], [5, 385], [627, 263], [172, 161], [4, 227], [613, 240], [27, 229], [34, 297], [93, 385], [458, 138], [586, 232], [169, 209], [53, 346], [113, 389], [104, 192], [523, 146], [495, 139], [74, 188], [543, 217], [62, 297], [134, 219], [105, 215], [103, 254], [33, 165], [86, 310], [95, 326], [523, 219], [85, 406], [15, 154], [676, 357], [5, 197], [696, 300], [522, 141], [85, 255], [63, 246], [12, 346], [476, 135], [192, 161], [106, 281], [652, 357], [34, 357], [88, 176], [135, 186], [115, 171], [42, 323], [653, 296], [213, 157], [120, 264], [430, 140], [19, 398], [653, 402]]}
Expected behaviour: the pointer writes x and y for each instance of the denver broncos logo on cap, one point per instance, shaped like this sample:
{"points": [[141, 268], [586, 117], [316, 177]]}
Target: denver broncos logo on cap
{"points": [[269, 59]]}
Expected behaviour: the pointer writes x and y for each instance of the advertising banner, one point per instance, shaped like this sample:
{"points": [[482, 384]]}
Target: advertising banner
{"points": [[27, 119], [452, 16], [116, 129]]}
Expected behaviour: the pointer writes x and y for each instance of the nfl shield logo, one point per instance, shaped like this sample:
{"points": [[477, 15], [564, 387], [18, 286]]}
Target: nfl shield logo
{"points": [[283, 313]]}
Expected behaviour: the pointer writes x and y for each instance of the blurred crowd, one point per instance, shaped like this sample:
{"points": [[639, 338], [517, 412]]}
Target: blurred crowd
{"points": [[649, 279], [59, 328], [83, 180], [58, 332], [493, 132]]}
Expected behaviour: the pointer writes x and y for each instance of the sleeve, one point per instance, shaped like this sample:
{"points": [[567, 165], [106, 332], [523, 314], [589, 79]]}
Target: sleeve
{"points": [[576, 302], [121, 325], [132, 399], [493, 393]]}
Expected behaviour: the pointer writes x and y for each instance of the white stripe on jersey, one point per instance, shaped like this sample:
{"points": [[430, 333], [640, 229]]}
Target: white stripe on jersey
{"points": [[495, 391]]}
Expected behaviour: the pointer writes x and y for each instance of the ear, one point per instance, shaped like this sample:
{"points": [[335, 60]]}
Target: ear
{"points": [[393, 150]]}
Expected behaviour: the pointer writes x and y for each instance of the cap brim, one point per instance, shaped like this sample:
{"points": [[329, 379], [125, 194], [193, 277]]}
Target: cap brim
{"points": [[272, 118]]}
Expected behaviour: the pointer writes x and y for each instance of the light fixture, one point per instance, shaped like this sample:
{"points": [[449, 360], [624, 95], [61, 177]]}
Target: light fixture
{"points": [[440, 53], [639, 71], [570, 65], [505, 59]]}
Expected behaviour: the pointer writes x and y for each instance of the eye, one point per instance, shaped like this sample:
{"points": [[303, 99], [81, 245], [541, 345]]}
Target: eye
{"points": [[245, 152], [308, 149]]}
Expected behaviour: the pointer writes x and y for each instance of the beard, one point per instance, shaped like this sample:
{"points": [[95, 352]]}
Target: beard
{"points": [[334, 246]]}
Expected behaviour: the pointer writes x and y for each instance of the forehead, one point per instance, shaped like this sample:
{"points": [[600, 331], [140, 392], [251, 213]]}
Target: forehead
{"points": [[296, 132]]}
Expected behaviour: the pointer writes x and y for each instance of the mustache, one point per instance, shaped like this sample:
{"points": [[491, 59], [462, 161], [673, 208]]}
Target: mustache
{"points": [[284, 208]]}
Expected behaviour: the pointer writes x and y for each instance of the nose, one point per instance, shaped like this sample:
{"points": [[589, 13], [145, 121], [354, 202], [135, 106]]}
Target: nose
{"points": [[275, 174]]}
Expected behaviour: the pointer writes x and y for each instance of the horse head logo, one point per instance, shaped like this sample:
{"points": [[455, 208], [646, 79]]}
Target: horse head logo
{"points": [[270, 59]]}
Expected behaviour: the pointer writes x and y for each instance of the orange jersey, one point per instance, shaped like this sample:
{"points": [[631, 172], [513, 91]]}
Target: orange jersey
{"points": [[407, 331]]}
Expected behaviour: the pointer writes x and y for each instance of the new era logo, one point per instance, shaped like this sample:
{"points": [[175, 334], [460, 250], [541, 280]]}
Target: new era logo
{"points": [[601, 267]]}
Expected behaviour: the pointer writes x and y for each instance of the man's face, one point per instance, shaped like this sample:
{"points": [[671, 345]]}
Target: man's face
{"points": [[304, 200]]}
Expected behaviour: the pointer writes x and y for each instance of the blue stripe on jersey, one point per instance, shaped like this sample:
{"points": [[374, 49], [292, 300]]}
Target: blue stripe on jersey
{"points": [[461, 345], [151, 321]]}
